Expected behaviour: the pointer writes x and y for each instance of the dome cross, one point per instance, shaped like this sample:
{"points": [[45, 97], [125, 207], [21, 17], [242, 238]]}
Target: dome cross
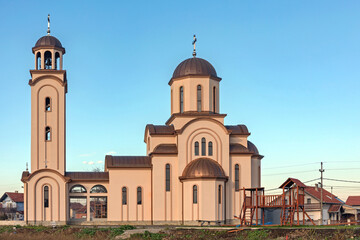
{"points": [[194, 43], [48, 30]]}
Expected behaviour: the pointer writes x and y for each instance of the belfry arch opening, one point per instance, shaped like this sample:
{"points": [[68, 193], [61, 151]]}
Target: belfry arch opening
{"points": [[57, 61], [38, 61], [48, 60]]}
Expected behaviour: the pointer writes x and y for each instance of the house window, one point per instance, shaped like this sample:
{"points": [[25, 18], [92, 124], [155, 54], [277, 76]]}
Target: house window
{"points": [[196, 146], [219, 194], [203, 147], [98, 189], [199, 98], [46, 196], [47, 104], [237, 177], [308, 200], [124, 196], [139, 200], [47, 134], [214, 99], [181, 99], [210, 149], [195, 192], [167, 177]]}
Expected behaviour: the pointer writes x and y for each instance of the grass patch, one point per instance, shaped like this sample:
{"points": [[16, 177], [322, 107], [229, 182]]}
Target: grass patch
{"points": [[257, 234], [149, 236]]}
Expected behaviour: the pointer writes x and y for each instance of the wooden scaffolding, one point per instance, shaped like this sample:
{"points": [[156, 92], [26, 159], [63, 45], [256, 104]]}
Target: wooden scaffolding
{"points": [[291, 203]]}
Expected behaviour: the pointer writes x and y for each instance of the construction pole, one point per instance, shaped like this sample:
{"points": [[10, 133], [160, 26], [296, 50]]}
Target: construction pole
{"points": [[321, 193]]}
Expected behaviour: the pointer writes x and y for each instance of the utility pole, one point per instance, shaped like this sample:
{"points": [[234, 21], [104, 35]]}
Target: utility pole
{"points": [[321, 192]]}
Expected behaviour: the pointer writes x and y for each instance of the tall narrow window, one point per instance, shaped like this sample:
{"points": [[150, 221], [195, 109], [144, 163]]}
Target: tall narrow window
{"points": [[139, 197], [47, 104], [196, 148], [195, 197], [181, 99], [236, 177], [203, 147], [167, 180], [47, 134], [46, 196], [214, 99], [210, 149], [124, 196], [219, 194], [48, 60], [38, 61], [199, 98], [57, 58]]}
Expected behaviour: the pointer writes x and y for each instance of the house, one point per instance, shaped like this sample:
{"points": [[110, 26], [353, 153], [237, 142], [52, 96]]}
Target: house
{"points": [[12, 204], [353, 201]]}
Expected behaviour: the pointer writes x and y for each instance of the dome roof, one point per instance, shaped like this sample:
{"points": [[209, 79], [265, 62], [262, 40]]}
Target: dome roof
{"points": [[194, 66], [48, 41], [252, 147], [203, 168]]}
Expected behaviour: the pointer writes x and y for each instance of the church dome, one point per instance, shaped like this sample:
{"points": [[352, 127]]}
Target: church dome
{"points": [[203, 168], [48, 41], [194, 66]]}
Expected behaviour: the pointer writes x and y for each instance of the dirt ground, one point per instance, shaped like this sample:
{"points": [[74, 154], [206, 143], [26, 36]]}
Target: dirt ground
{"points": [[170, 233]]}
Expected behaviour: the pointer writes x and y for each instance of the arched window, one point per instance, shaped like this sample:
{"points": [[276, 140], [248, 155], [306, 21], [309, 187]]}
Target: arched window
{"points": [[78, 189], [219, 194], [57, 58], [214, 99], [199, 98], [181, 99], [139, 197], [46, 196], [47, 134], [124, 196], [98, 189], [196, 148], [38, 61], [47, 104], [237, 177], [167, 177], [48, 60], [210, 148], [195, 194], [203, 147]]}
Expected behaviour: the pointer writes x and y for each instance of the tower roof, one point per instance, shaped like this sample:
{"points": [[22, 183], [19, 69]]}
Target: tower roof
{"points": [[194, 66], [48, 42]]}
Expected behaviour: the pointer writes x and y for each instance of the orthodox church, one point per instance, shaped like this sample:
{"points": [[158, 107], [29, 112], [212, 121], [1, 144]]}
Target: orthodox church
{"points": [[193, 171]]}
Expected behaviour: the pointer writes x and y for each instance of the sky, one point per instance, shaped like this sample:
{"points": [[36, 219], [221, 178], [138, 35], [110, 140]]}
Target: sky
{"points": [[290, 72]]}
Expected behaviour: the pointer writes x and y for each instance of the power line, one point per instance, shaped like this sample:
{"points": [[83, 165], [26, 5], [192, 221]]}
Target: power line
{"points": [[273, 189], [288, 173], [339, 180], [295, 165]]}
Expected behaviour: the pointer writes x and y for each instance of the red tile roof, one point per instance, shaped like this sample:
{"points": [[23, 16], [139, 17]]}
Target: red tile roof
{"points": [[16, 197], [353, 201], [334, 208], [327, 197]]}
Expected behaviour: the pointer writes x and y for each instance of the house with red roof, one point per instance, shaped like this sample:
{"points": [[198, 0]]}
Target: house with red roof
{"points": [[331, 204], [353, 201], [12, 204]]}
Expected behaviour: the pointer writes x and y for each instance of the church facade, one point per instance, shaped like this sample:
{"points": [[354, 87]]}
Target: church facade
{"points": [[193, 171]]}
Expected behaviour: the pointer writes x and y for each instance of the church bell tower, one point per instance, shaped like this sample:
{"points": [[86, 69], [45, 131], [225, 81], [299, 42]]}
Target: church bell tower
{"points": [[48, 97]]}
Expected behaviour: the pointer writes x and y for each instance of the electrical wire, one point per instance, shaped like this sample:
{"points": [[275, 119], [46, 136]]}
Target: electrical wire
{"points": [[339, 180]]}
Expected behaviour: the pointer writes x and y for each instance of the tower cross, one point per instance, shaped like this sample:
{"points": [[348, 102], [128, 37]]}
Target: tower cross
{"points": [[194, 43], [48, 31]]}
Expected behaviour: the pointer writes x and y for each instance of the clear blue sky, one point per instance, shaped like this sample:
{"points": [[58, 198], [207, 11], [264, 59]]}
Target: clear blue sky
{"points": [[290, 72]]}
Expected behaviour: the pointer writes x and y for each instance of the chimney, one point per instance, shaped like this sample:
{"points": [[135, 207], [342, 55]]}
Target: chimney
{"points": [[16, 191], [316, 187]]}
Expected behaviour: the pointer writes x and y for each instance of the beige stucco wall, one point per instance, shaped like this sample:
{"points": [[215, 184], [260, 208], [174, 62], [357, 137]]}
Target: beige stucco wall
{"points": [[131, 178], [34, 197], [53, 151], [189, 85]]}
